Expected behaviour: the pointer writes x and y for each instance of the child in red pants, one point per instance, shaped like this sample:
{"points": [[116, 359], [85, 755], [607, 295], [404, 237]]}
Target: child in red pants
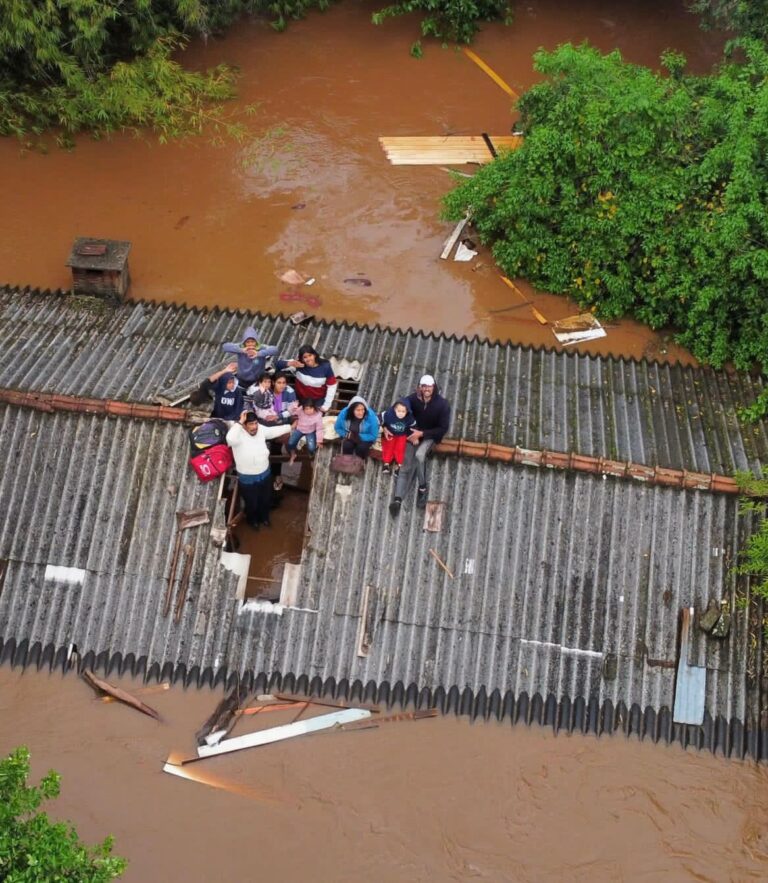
{"points": [[396, 423]]}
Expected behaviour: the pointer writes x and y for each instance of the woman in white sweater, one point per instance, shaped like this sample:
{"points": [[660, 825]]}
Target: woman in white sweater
{"points": [[248, 441]]}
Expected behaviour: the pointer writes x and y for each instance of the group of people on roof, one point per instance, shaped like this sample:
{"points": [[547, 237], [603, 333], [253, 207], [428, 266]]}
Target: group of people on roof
{"points": [[255, 393]]}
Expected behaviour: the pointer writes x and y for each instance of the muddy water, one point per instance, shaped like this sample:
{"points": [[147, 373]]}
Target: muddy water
{"points": [[431, 800], [310, 187]]}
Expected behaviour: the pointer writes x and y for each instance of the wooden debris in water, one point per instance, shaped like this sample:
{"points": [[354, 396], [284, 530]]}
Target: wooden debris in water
{"points": [[152, 688], [576, 329], [331, 703], [438, 150], [370, 723], [288, 731], [118, 693], [487, 69], [222, 718], [542, 320], [453, 238]]}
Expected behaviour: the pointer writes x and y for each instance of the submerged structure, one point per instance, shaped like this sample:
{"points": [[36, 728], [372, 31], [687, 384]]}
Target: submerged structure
{"points": [[580, 505]]}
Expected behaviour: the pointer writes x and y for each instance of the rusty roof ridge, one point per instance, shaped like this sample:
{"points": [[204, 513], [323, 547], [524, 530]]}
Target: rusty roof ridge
{"points": [[682, 479], [734, 738], [49, 402], [375, 327]]}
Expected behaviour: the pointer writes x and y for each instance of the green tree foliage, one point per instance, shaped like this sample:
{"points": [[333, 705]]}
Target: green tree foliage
{"points": [[754, 556], [102, 65], [35, 849], [748, 18], [106, 65], [455, 21], [638, 193]]}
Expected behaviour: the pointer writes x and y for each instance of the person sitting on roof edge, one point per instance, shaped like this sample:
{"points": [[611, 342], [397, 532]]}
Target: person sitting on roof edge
{"points": [[286, 403], [307, 424], [396, 425], [227, 394], [314, 377], [251, 356], [358, 427], [264, 400], [248, 441], [432, 414]]}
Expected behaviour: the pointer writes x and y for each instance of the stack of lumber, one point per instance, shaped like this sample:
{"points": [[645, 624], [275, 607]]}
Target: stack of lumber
{"points": [[446, 149]]}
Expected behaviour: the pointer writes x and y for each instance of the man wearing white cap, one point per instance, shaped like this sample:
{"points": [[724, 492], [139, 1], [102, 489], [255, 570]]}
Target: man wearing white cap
{"points": [[433, 416]]}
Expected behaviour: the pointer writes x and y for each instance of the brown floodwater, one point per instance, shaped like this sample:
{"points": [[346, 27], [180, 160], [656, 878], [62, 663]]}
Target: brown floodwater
{"points": [[432, 800], [309, 188]]}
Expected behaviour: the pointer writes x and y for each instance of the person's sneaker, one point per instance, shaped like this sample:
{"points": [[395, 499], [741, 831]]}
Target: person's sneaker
{"points": [[386, 469], [396, 471], [421, 498], [394, 507]]}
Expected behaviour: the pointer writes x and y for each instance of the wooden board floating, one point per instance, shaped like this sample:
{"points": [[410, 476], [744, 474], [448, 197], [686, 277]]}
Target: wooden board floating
{"points": [[289, 731], [438, 150]]}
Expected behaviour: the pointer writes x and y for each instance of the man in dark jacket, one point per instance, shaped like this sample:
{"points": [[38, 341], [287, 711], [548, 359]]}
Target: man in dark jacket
{"points": [[433, 416]]}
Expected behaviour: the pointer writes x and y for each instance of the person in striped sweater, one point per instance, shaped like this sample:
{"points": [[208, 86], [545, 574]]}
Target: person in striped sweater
{"points": [[314, 377]]}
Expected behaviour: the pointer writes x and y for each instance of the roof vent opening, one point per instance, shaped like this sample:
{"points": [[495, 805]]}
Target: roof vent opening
{"points": [[275, 548]]}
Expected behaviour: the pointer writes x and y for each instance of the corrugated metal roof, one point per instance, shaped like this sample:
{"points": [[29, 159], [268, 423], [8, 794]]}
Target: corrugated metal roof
{"points": [[563, 606], [558, 578], [100, 495], [649, 413]]}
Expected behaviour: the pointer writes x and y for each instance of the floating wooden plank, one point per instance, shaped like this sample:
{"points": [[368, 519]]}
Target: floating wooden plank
{"points": [[433, 517], [288, 731], [691, 681], [576, 329], [329, 703], [222, 717], [453, 238], [258, 709], [487, 69], [118, 693], [442, 149], [421, 714], [152, 688]]}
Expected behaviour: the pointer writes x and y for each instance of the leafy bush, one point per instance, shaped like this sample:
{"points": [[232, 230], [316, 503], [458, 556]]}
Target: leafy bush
{"points": [[754, 556], [449, 20], [749, 18], [640, 193], [102, 65], [32, 847]]}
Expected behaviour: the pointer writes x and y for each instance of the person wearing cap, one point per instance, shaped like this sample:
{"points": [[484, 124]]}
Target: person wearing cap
{"points": [[251, 357], [432, 414], [248, 441]]}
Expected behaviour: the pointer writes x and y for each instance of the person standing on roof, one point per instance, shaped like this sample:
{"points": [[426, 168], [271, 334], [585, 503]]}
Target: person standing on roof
{"points": [[248, 441], [314, 377], [251, 357], [432, 414], [358, 427]]}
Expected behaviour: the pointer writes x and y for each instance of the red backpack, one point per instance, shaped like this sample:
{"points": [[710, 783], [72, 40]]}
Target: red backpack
{"points": [[212, 462]]}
